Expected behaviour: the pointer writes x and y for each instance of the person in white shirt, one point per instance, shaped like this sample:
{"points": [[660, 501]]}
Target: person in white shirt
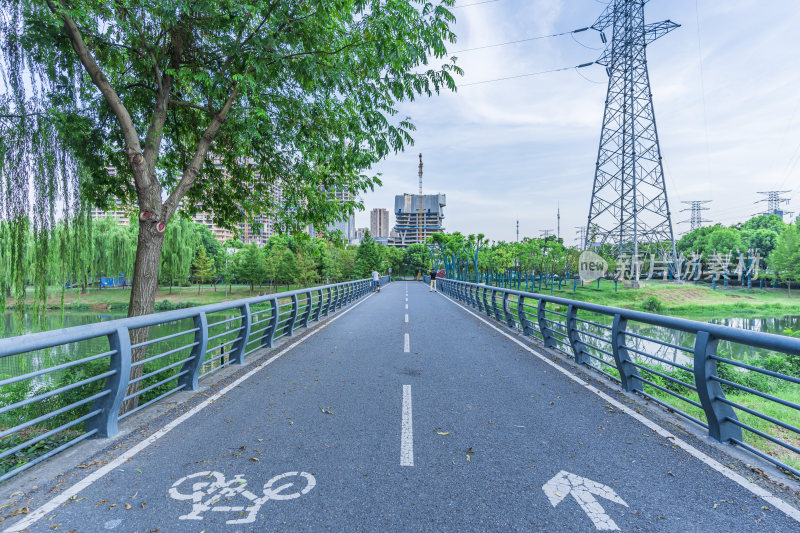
{"points": [[375, 280]]}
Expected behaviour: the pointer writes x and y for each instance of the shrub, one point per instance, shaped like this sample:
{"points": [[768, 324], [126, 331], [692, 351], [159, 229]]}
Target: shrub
{"points": [[652, 304]]}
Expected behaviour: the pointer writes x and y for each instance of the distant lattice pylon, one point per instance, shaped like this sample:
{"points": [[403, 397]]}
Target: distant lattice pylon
{"points": [[696, 219], [774, 200], [629, 204]]}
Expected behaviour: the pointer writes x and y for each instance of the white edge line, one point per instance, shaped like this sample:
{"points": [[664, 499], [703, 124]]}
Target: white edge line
{"points": [[62, 498], [762, 493], [407, 436]]}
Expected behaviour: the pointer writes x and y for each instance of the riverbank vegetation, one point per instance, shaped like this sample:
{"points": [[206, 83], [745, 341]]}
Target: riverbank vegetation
{"points": [[762, 287]]}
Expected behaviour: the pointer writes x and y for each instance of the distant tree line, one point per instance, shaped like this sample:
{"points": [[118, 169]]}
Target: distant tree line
{"points": [[191, 255]]}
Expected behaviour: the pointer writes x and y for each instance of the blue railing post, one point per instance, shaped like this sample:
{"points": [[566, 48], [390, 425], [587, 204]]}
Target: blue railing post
{"points": [[507, 310], [547, 334], [628, 373], [494, 306], [288, 329], [578, 347], [486, 302], [720, 416], [269, 333], [237, 354], [318, 309], [523, 317], [328, 301], [337, 298], [120, 362], [198, 355], [307, 312]]}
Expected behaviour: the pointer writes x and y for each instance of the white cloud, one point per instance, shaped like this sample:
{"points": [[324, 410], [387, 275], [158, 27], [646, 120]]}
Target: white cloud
{"points": [[516, 148]]}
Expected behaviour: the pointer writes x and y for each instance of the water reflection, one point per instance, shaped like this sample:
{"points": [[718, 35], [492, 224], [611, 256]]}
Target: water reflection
{"points": [[677, 347]]}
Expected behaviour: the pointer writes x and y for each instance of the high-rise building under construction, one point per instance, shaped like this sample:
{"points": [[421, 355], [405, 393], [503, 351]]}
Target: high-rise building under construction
{"points": [[417, 218]]}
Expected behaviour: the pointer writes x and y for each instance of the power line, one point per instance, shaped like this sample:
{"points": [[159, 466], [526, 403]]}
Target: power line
{"points": [[527, 39], [475, 4], [527, 75]]}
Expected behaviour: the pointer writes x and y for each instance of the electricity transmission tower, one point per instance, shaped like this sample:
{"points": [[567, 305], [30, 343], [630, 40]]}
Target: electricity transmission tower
{"points": [[774, 201], [581, 236], [696, 218], [629, 204]]}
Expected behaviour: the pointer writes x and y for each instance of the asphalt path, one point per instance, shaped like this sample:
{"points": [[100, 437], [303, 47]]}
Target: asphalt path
{"points": [[409, 413]]}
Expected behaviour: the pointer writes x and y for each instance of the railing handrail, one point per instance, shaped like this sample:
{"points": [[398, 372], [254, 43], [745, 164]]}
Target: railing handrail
{"points": [[173, 369], [760, 339], [706, 393], [34, 341]]}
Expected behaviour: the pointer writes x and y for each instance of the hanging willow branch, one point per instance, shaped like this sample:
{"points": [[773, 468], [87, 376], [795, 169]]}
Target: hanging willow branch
{"points": [[38, 176]]}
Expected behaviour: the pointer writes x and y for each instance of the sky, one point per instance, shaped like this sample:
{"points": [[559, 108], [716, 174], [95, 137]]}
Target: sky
{"points": [[726, 93]]}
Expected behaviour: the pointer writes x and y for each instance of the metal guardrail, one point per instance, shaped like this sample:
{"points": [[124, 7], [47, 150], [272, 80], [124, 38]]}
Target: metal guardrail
{"points": [[729, 398], [51, 407]]}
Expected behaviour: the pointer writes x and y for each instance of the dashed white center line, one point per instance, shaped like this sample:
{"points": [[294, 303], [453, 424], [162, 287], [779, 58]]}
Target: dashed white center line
{"points": [[407, 435], [406, 299], [406, 318], [406, 306], [406, 343]]}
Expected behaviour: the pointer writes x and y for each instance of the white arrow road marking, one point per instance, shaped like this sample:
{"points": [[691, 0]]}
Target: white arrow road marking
{"points": [[407, 435], [406, 343], [584, 491], [756, 490]]}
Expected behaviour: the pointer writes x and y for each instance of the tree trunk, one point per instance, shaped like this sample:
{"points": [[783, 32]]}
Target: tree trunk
{"points": [[144, 289], [789, 285]]}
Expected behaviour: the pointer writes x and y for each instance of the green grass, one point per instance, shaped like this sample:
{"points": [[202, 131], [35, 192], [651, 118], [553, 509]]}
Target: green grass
{"points": [[116, 299], [685, 300]]}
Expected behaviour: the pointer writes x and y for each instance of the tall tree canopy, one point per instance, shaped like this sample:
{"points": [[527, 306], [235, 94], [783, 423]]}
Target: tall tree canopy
{"points": [[211, 104]]}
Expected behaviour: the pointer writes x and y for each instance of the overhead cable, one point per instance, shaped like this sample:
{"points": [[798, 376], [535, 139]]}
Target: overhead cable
{"points": [[475, 4], [538, 37], [583, 65]]}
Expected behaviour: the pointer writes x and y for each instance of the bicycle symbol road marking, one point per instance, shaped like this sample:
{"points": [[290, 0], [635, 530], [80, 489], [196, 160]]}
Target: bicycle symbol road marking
{"points": [[208, 488]]}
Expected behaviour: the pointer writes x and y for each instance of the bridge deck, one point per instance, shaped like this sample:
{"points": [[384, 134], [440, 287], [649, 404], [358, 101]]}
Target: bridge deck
{"points": [[501, 440]]}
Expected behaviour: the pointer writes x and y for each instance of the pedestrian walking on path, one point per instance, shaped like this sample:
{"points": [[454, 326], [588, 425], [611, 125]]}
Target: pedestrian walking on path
{"points": [[433, 280], [376, 281]]}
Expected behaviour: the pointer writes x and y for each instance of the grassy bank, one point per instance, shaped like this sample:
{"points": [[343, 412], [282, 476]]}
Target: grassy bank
{"points": [[684, 300], [116, 299]]}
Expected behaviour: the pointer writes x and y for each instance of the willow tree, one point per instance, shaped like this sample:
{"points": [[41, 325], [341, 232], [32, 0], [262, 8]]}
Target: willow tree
{"points": [[178, 251], [212, 104]]}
